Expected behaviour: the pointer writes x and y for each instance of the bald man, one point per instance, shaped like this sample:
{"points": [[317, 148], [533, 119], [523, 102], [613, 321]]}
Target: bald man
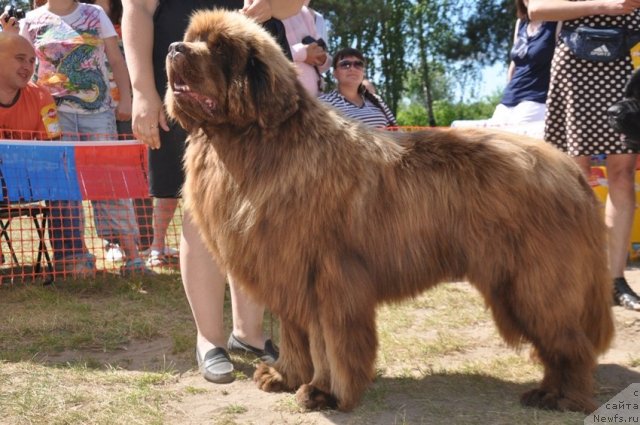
{"points": [[27, 111]]}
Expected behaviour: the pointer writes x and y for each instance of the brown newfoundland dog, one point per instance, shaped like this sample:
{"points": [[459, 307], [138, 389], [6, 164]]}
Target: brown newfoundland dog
{"points": [[322, 219]]}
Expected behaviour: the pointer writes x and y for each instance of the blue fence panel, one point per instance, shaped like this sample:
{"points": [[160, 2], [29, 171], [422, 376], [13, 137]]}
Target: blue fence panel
{"points": [[39, 172]]}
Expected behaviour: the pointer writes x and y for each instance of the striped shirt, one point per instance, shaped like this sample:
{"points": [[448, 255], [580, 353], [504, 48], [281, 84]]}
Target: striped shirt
{"points": [[369, 113]]}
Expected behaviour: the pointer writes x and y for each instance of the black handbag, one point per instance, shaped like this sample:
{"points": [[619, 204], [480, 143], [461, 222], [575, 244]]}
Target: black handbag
{"points": [[596, 44]]}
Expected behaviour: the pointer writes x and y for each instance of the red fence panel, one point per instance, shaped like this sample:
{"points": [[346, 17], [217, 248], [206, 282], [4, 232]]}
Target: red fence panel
{"points": [[112, 171]]}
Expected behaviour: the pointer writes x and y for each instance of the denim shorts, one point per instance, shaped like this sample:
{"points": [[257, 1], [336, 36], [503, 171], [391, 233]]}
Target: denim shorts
{"points": [[84, 127]]}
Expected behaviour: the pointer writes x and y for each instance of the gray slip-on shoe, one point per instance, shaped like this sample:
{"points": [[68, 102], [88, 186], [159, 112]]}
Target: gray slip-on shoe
{"points": [[268, 355], [216, 366]]}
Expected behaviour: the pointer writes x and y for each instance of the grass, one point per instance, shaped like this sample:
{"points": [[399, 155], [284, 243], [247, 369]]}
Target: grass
{"points": [[33, 393], [101, 315], [111, 351]]}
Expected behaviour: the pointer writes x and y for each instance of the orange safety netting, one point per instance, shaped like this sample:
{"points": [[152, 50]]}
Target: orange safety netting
{"points": [[81, 208]]}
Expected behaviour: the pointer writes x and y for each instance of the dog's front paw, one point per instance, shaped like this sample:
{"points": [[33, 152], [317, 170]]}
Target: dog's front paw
{"points": [[312, 398], [268, 379]]}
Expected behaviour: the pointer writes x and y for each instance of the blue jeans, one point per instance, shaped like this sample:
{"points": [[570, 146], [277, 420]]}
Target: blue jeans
{"points": [[112, 217]]}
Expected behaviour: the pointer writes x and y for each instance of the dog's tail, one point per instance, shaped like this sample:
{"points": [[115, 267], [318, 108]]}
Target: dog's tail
{"points": [[597, 316]]}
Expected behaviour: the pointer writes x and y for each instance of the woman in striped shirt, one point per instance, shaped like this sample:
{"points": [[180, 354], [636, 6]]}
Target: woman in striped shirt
{"points": [[351, 97]]}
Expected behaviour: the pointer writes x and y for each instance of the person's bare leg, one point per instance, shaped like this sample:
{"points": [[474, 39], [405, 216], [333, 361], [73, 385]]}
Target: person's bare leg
{"points": [[247, 317], [163, 212], [619, 214], [620, 208], [204, 286]]}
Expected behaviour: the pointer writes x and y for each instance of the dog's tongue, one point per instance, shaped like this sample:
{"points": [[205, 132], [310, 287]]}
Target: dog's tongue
{"points": [[207, 103]]}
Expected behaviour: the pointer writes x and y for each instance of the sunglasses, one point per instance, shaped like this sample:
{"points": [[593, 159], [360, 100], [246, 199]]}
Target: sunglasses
{"points": [[346, 64]]}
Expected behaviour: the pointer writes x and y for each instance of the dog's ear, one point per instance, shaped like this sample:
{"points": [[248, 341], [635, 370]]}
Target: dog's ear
{"points": [[274, 89]]}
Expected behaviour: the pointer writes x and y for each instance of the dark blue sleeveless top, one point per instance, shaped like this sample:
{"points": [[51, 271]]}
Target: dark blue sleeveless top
{"points": [[532, 58]]}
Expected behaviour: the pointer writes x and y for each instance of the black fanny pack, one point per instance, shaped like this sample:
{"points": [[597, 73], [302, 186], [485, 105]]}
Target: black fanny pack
{"points": [[599, 44]]}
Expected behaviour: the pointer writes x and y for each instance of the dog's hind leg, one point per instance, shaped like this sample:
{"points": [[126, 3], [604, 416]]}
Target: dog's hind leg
{"points": [[553, 326], [351, 352], [293, 367], [569, 363]]}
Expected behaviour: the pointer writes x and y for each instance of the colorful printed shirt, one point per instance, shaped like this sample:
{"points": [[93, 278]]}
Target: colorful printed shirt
{"points": [[113, 87], [71, 56], [32, 116]]}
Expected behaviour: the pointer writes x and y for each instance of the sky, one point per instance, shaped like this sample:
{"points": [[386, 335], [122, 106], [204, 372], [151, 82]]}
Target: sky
{"points": [[493, 78]]}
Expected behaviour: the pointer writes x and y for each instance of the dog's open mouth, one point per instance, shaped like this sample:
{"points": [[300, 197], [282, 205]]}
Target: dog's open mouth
{"points": [[182, 90]]}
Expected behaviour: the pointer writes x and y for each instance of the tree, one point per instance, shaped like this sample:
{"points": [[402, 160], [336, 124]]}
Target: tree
{"points": [[392, 49], [486, 33], [403, 39], [432, 29], [376, 28]]}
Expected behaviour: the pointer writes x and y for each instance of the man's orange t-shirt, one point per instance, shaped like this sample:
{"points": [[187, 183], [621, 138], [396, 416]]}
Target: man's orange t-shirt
{"points": [[32, 116]]}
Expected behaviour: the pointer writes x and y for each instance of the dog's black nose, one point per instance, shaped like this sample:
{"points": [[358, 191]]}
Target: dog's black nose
{"points": [[177, 47]]}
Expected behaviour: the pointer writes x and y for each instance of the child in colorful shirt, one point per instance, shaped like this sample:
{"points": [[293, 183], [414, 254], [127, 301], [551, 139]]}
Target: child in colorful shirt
{"points": [[73, 42]]}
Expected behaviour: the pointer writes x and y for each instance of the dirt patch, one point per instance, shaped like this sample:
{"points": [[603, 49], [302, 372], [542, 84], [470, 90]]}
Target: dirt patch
{"points": [[137, 355], [449, 389]]}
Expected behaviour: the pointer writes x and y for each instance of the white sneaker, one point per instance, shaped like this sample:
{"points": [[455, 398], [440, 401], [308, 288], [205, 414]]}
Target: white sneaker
{"points": [[168, 252], [171, 252], [156, 259], [113, 252]]}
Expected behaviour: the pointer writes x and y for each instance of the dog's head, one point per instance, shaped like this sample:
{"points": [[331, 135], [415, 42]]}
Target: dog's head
{"points": [[229, 71], [624, 116]]}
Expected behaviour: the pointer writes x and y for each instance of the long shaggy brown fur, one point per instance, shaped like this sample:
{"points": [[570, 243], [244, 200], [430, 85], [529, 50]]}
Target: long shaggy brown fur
{"points": [[322, 219]]}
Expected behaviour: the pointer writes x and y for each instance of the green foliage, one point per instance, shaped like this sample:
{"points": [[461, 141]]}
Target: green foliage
{"points": [[441, 86], [412, 114], [447, 111], [392, 50], [377, 28], [486, 33], [416, 49]]}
